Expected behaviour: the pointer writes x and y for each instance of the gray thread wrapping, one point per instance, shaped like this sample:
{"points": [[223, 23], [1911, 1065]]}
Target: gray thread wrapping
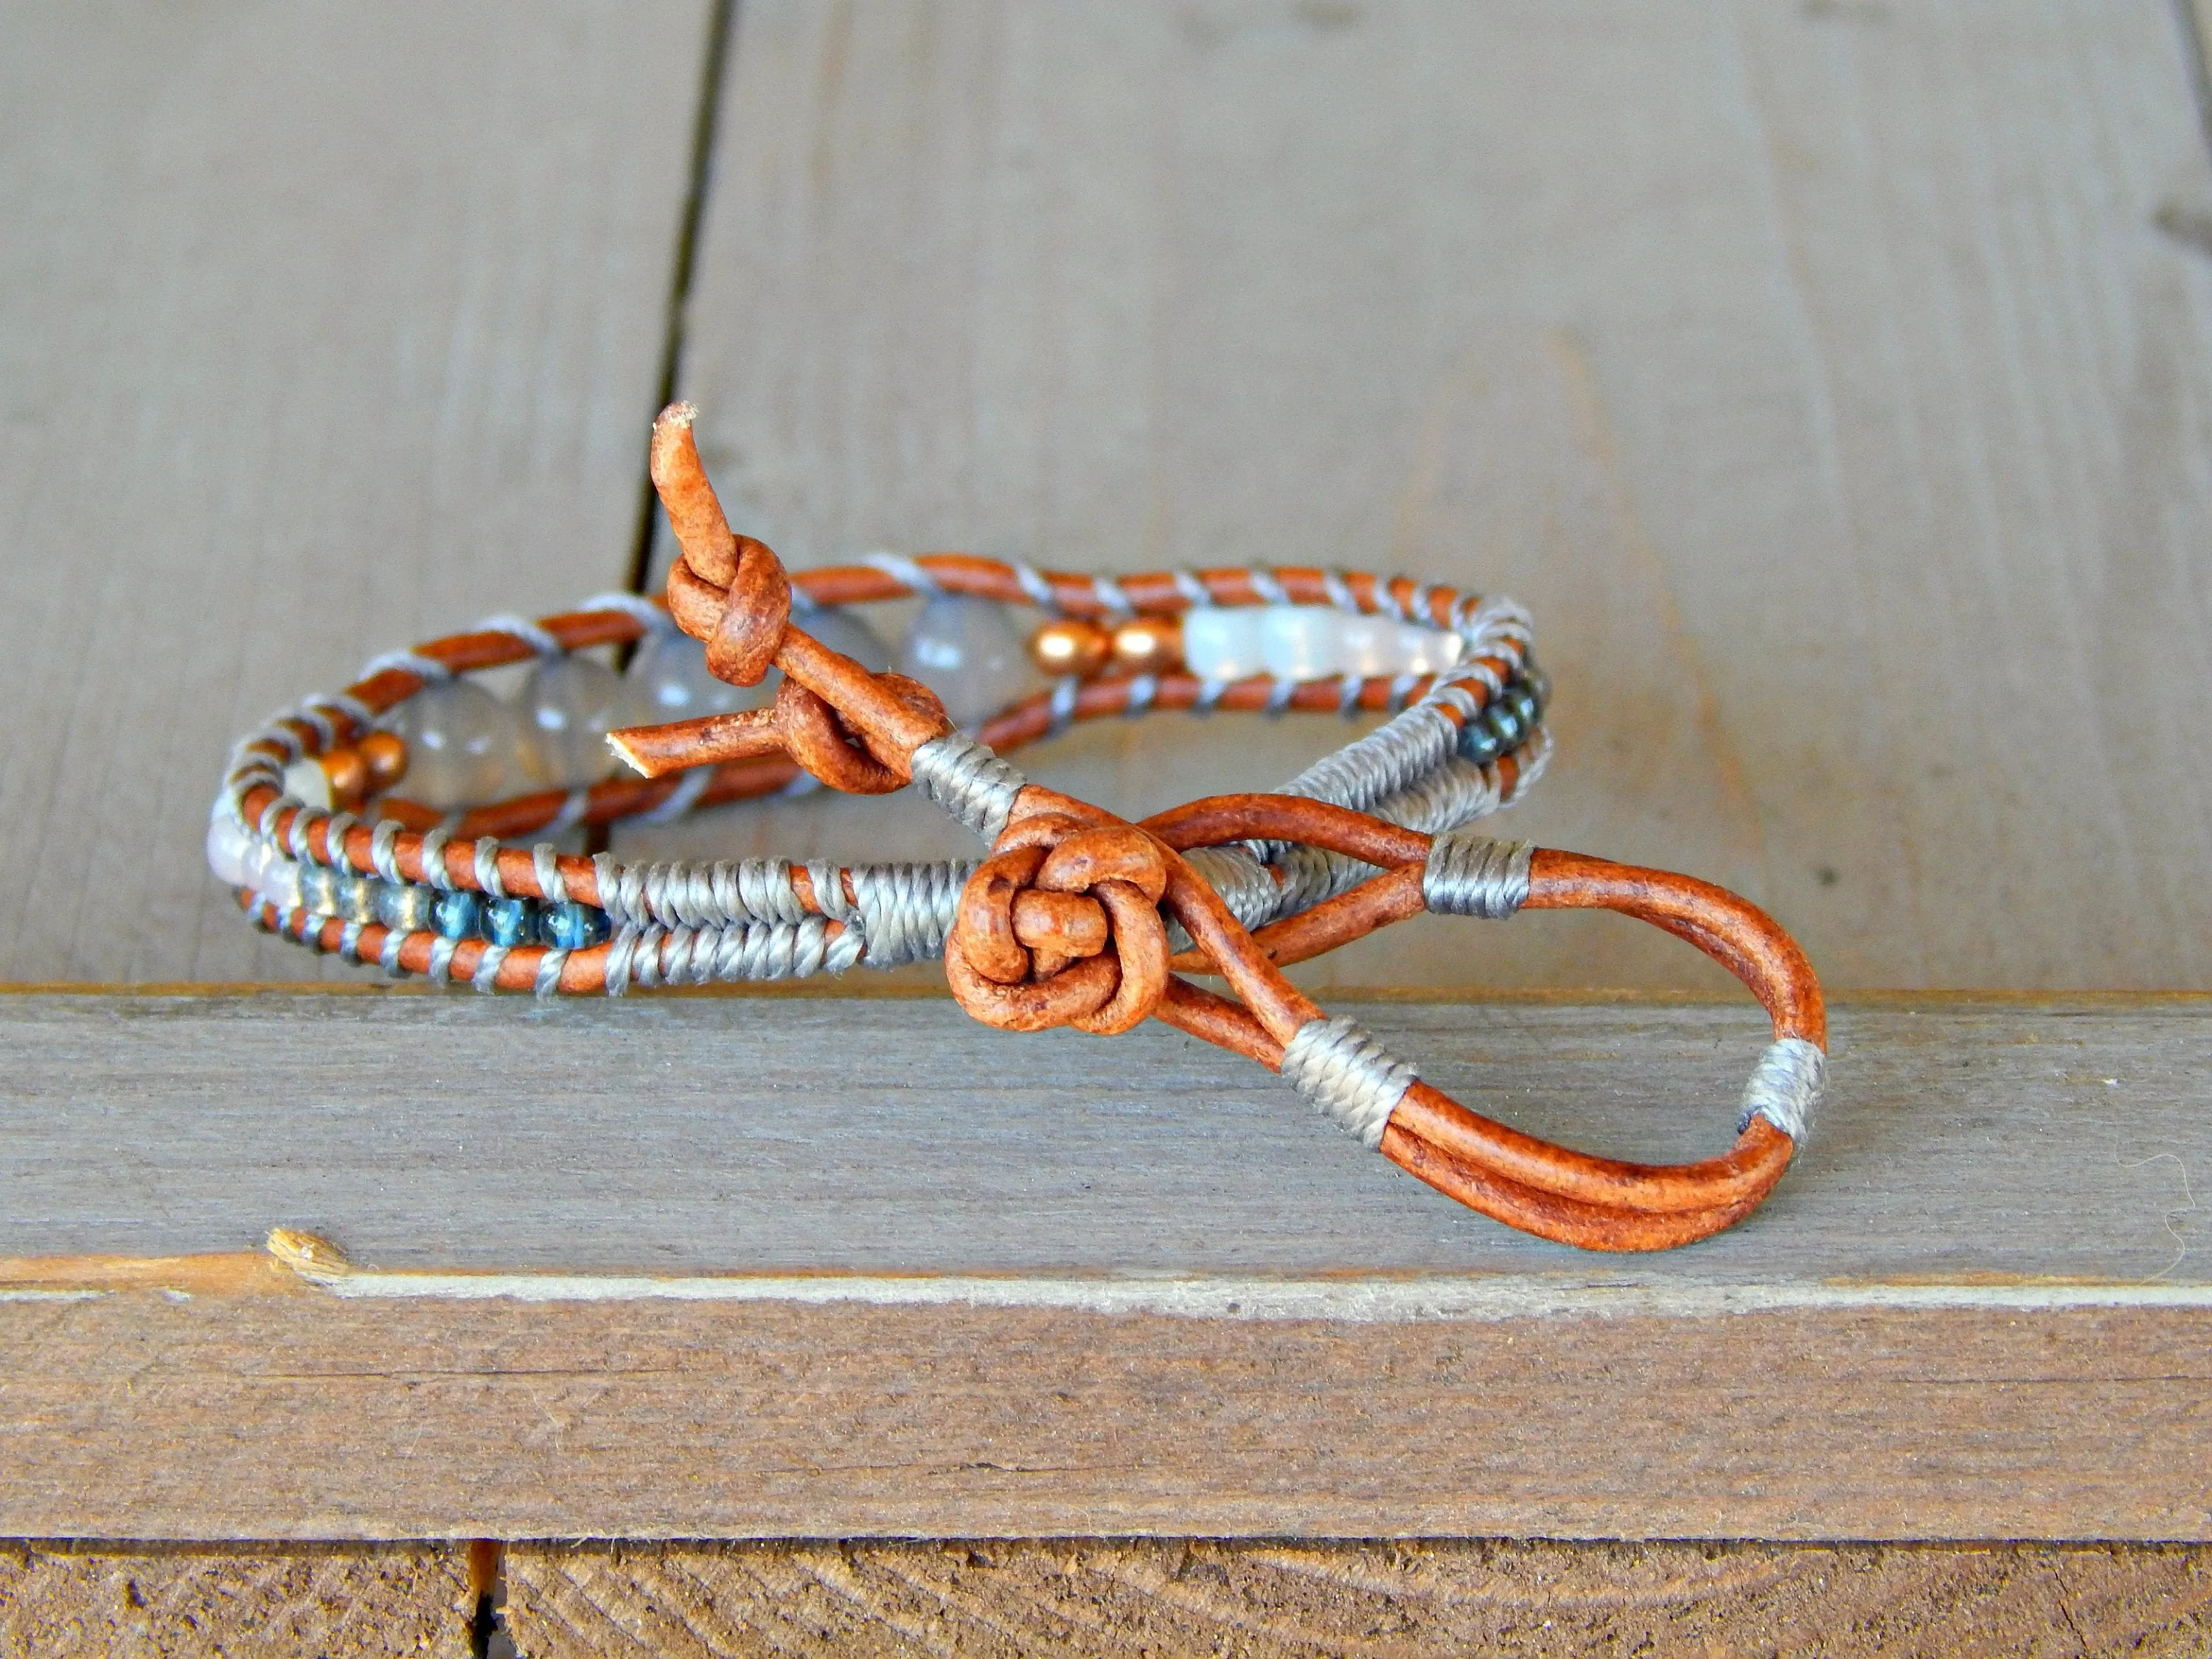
{"points": [[1785, 1087], [1475, 875], [969, 781], [1349, 1077]]}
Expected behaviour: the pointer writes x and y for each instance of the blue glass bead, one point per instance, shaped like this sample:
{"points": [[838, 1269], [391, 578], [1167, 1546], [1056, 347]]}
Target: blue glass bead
{"points": [[356, 896], [1525, 704], [1500, 718], [456, 915], [407, 907], [572, 927], [318, 891], [511, 921], [1478, 744]]}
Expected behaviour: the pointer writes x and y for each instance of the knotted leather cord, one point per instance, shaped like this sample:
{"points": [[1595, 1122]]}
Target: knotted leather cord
{"points": [[1067, 920]]}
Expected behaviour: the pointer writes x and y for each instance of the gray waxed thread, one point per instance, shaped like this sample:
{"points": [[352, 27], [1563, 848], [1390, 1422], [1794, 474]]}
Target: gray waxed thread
{"points": [[538, 639], [383, 849], [547, 868], [968, 780], [487, 868], [488, 968], [1474, 876], [908, 910], [549, 965], [1785, 1087], [434, 858], [1349, 1078]]}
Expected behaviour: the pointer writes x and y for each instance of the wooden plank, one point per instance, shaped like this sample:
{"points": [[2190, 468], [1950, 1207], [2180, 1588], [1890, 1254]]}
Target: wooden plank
{"points": [[320, 332], [1406, 1597], [706, 1135], [71, 1602], [1074, 1296], [1409, 1598], [139, 1415], [1816, 372]]}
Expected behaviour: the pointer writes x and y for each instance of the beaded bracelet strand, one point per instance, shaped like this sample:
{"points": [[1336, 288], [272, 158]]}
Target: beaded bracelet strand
{"points": [[1076, 917]]}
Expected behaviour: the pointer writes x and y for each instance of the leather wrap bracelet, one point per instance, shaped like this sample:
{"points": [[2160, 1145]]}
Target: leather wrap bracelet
{"points": [[1075, 917]]}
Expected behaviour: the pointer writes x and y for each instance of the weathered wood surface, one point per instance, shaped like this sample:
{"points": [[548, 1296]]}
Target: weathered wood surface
{"points": [[68, 1601], [1818, 372], [321, 331], [1405, 1600], [692, 1134], [960, 1297], [310, 1416]]}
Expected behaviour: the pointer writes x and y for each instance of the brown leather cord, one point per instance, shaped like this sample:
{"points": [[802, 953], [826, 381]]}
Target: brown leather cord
{"points": [[1061, 925]]}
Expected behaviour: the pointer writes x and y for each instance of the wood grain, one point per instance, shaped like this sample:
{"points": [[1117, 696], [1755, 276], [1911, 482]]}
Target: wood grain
{"points": [[1167, 1598], [59, 1601], [1401, 1599], [320, 332], [137, 1414], [1817, 373], [1061, 1299]]}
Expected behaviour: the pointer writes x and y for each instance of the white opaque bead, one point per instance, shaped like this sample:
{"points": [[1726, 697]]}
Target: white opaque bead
{"points": [[464, 745], [1222, 642], [670, 683], [1427, 650], [842, 631], [966, 651], [270, 873], [569, 704], [305, 780], [1298, 641], [228, 844], [1309, 642]]}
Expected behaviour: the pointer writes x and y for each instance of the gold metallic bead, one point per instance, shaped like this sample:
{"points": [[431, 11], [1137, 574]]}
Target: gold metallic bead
{"points": [[384, 755], [1069, 647], [1149, 644]]}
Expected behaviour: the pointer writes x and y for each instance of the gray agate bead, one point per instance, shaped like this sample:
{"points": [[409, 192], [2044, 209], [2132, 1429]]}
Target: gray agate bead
{"points": [[570, 704], [966, 651], [464, 745]]}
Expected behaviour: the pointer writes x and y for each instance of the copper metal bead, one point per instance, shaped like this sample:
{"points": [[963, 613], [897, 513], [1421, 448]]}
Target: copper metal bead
{"points": [[385, 756], [1149, 644], [1070, 647], [346, 771]]}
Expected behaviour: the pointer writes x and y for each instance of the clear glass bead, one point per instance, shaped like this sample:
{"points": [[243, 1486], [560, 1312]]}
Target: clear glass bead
{"points": [[464, 745], [966, 650], [569, 704], [669, 681]]}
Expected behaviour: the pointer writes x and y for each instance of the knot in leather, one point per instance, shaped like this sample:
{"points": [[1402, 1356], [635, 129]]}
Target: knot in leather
{"points": [[820, 739], [728, 590], [1061, 926]]}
